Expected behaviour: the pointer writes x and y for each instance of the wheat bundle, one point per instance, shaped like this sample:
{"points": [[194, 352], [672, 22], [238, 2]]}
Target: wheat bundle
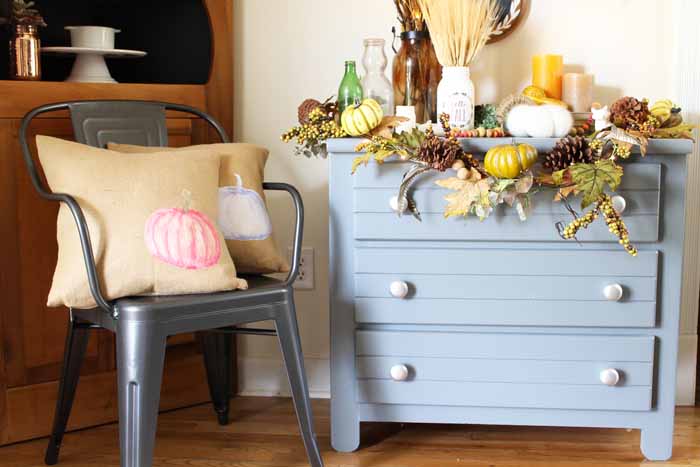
{"points": [[409, 15], [459, 28]]}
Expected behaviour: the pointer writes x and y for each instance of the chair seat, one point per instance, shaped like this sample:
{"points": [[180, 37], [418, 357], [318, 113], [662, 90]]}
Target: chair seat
{"points": [[261, 290]]}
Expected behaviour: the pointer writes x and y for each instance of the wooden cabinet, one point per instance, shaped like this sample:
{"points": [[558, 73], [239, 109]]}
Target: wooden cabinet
{"points": [[31, 334]]}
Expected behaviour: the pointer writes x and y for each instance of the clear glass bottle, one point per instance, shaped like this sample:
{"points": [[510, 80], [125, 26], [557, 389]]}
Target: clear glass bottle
{"points": [[455, 96], [375, 84], [350, 90]]}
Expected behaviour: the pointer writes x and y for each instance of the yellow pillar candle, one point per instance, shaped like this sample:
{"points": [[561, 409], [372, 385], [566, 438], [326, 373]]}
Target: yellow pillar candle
{"points": [[547, 73], [578, 91]]}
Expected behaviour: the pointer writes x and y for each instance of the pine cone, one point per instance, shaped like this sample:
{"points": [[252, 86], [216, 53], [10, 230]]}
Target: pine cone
{"points": [[568, 151], [306, 107], [629, 113], [440, 153]]}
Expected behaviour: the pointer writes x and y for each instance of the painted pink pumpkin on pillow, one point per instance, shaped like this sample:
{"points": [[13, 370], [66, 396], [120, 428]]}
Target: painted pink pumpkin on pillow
{"points": [[185, 238]]}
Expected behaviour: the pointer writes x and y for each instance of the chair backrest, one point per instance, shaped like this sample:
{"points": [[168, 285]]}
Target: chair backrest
{"points": [[97, 123]]}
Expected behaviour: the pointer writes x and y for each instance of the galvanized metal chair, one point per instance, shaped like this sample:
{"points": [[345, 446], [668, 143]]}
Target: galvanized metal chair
{"points": [[142, 324]]}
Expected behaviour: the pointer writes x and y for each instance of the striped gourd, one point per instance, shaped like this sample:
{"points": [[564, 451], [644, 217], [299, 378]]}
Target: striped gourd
{"points": [[360, 119]]}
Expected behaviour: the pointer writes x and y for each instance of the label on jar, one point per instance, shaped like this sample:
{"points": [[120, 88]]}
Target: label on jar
{"points": [[460, 109]]}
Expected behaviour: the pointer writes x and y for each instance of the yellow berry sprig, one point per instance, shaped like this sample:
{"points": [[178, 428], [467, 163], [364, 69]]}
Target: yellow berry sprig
{"points": [[310, 137], [615, 224]]}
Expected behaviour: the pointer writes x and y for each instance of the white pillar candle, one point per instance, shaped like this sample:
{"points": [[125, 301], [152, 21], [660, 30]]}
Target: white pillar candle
{"points": [[578, 91], [409, 112]]}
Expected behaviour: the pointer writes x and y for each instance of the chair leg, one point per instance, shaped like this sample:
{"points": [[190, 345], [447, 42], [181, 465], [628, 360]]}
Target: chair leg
{"points": [[288, 334], [140, 359], [216, 348], [76, 343]]}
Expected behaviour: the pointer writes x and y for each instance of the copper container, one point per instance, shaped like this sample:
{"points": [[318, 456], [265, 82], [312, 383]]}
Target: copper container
{"points": [[24, 53]]}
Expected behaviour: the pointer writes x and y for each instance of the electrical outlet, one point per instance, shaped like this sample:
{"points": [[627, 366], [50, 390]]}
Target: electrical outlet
{"points": [[305, 279]]}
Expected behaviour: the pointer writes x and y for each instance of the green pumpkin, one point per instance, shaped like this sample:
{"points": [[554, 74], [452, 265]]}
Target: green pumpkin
{"points": [[509, 161]]}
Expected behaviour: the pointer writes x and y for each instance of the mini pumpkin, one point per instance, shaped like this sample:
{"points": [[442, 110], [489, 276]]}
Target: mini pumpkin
{"points": [[508, 160], [360, 119]]}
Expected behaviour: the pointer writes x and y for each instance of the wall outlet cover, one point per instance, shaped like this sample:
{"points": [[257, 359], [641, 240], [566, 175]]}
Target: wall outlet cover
{"points": [[305, 279]]}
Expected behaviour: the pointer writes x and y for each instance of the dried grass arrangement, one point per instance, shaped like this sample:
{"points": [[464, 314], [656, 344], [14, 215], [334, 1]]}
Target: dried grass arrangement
{"points": [[459, 28], [409, 15]]}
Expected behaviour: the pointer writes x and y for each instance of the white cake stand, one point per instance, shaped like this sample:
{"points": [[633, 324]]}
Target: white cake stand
{"points": [[90, 65]]}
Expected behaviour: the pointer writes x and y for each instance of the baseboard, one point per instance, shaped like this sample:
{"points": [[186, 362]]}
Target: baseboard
{"points": [[687, 365], [267, 377]]}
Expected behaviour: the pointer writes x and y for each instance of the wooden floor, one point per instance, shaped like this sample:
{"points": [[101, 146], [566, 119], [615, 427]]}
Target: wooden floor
{"points": [[264, 433]]}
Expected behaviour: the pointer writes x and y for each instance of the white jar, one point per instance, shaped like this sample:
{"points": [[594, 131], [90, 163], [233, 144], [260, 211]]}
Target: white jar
{"points": [[455, 96]]}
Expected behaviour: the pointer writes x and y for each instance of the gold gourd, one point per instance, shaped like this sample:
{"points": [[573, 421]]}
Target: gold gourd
{"points": [[509, 161]]}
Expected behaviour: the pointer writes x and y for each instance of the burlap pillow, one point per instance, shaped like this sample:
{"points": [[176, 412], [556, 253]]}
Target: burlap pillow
{"points": [[150, 220], [243, 216]]}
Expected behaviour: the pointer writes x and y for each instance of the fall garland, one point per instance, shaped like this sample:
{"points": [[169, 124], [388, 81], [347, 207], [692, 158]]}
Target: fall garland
{"points": [[585, 166]]}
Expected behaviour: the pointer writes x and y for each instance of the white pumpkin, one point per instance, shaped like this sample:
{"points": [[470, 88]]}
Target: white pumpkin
{"points": [[242, 213], [539, 121]]}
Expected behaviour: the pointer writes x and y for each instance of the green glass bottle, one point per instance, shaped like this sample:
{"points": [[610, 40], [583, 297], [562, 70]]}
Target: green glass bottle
{"points": [[350, 91]]}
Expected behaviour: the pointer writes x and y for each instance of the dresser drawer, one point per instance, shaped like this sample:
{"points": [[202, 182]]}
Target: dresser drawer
{"points": [[375, 185], [506, 287], [505, 370]]}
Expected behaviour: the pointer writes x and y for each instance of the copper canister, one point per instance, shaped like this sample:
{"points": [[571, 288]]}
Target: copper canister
{"points": [[24, 53]]}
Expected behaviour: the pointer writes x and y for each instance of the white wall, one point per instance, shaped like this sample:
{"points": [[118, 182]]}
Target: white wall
{"points": [[288, 50]]}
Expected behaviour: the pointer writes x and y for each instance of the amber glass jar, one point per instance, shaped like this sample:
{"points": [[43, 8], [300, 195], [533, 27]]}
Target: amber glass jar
{"points": [[416, 75]]}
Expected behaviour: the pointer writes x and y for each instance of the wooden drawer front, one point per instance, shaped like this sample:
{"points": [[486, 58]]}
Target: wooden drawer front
{"points": [[505, 370], [505, 287], [374, 219]]}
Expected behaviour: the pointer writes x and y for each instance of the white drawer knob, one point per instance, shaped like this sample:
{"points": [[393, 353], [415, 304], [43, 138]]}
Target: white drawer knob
{"points": [[613, 292], [610, 377], [399, 372], [398, 206], [398, 289], [619, 204]]}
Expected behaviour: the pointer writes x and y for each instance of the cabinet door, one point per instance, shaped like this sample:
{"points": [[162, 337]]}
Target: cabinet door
{"points": [[33, 335]]}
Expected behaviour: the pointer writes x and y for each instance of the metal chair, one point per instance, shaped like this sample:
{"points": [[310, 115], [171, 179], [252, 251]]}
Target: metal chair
{"points": [[142, 324]]}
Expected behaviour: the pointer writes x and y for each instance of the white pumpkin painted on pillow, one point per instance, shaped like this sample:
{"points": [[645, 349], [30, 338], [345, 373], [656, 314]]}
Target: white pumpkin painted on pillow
{"points": [[242, 213]]}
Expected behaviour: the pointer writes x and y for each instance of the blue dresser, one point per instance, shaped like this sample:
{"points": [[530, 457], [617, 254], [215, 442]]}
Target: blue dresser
{"points": [[501, 321]]}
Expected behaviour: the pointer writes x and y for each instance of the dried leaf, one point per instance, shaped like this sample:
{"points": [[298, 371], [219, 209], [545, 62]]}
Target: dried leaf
{"points": [[387, 126], [381, 156], [411, 139], [360, 160], [524, 183], [559, 178], [683, 130], [471, 195], [591, 179], [565, 192]]}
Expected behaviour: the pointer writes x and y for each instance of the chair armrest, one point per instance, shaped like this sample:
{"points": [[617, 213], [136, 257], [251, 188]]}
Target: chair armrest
{"points": [[298, 228], [77, 212], [86, 245]]}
